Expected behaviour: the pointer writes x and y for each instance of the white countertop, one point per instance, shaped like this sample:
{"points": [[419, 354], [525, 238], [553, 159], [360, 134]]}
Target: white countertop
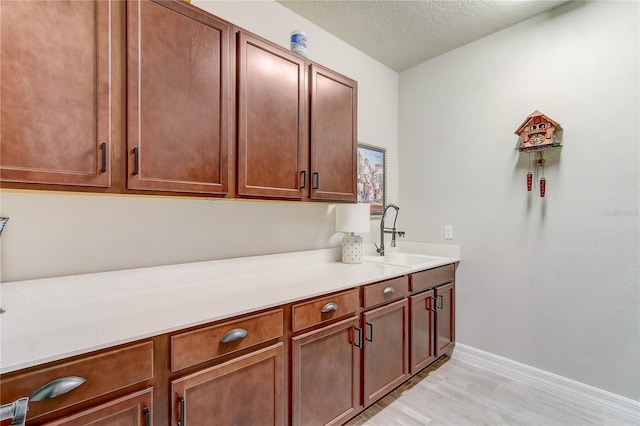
{"points": [[54, 318]]}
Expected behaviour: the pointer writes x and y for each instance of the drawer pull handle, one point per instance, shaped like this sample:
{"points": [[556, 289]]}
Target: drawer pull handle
{"points": [[329, 307], [388, 290], [234, 335], [57, 387]]}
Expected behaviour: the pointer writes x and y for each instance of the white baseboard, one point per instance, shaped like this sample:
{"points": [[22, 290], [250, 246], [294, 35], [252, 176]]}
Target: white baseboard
{"points": [[626, 408]]}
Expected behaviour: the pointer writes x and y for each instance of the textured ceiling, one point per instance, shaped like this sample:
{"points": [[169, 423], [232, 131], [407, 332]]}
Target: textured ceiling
{"points": [[401, 34]]}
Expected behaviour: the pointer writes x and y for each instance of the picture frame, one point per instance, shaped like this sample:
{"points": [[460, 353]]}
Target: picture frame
{"points": [[372, 177]]}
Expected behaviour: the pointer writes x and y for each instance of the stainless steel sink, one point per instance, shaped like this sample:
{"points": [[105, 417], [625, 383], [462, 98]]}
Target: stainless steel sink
{"points": [[403, 259]]}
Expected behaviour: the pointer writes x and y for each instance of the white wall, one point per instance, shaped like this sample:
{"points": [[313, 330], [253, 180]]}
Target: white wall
{"points": [[553, 282], [53, 234]]}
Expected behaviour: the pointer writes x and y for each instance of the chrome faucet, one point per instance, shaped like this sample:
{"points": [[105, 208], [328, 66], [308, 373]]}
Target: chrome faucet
{"points": [[393, 231]]}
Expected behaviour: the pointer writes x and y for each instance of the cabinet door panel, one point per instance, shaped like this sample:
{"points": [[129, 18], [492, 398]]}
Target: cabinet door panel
{"points": [[248, 390], [445, 318], [272, 127], [132, 410], [333, 136], [55, 91], [325, 373], [386, 349], [422, 330], [178, 98]]}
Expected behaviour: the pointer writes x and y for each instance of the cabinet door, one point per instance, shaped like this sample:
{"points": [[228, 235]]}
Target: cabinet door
{"points": [[325, 370], [386, 349], [131, 410], [248, 390], [333, 136], [445, 318], [178, 98], [422, 330], [272, 127], [55, 91]]}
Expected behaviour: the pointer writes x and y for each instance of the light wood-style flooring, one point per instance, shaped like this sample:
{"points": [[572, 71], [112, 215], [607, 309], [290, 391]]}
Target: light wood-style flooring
{"points": [[453, 392]]}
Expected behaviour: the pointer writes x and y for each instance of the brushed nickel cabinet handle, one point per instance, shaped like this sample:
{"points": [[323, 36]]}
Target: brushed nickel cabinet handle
{"points": [[57, 387], [329, 307], [370, 338], [234, 335], [388, 290], [315, 185]]}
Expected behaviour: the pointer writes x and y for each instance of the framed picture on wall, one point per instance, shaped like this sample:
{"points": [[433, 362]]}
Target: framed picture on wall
{"points": [[372, 175]]}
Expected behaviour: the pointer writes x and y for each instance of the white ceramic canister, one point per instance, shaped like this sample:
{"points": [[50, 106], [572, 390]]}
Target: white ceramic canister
{"points": [[299, 43]]}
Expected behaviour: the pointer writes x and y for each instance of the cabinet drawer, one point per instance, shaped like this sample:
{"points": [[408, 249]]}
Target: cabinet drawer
{"points": [[311, 313], [104, 372], [431, 278], [205, 344], [385, 291]]}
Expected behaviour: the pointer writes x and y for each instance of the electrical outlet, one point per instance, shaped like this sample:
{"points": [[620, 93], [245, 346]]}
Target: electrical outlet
{"points": [[448, 232]]}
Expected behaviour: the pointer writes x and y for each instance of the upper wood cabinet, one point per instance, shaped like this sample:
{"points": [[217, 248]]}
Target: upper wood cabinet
{"points": [[134, 96], [56, 92], [272, 127], [178, 98], [333, 135], [297, 126]]}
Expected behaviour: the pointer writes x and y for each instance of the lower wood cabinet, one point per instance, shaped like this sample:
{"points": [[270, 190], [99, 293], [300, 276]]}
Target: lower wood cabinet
{"points": [[422, 330], [386, 349], [325, 374], [248, 390], [432, 315], [132, 410], [445, 318], [320, 361]]}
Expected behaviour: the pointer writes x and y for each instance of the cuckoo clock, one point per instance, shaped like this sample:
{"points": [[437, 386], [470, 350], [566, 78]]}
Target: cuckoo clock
{"points": [[537, 134]]}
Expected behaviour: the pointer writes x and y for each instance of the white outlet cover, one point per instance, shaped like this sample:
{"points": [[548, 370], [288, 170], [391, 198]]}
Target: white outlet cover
{"points": [[448, 232]]}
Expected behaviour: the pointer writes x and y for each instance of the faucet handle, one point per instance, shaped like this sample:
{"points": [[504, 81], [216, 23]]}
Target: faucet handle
{"points": [[15, 411], [401, 234]]}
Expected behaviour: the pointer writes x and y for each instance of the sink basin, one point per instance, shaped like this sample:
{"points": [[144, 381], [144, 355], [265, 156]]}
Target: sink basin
{"points": [[402, 259]]}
